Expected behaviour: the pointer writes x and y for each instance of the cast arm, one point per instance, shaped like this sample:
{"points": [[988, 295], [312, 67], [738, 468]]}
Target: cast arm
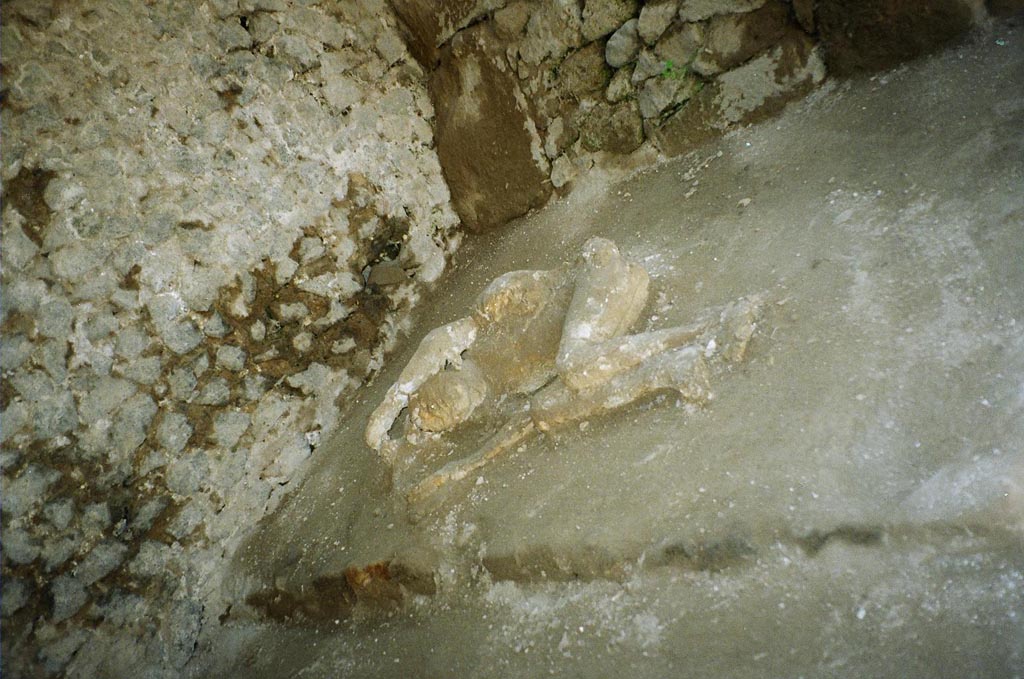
{"points": [[440, 347]]}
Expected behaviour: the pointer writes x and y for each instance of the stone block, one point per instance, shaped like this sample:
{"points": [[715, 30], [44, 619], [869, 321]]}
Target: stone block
{"points": [[698, 10], [186, 474], [130, 424], [187, 520], [96, 517], [143, 370], [215, 393], [510, 21], [228, 427], [177, 331], [584, 71], [51, 356], [182, 382], [60, 512], [562, 171], [57, 551], [601, 17], [679, 45], [620, 87], [151, 559], [624, 45], [26, 491], [263, 26], [557, 137], [13, 596], [55, 316], [182, 626], [100, 562], [648, 65], [753, 91], [733, 39], [147, 514], [131, 342], [20, 547], [664, 92], [56, 414], [224, 8], [313, 380], [303, 341], [488, 147], [14, 351], [615, 128], [68, 597], [19, 249], [761, 86], [214, 326], [655, 18], [231, 357], [553, 30], [105, 397], [390, 47], [298, 52], [57, 654]]}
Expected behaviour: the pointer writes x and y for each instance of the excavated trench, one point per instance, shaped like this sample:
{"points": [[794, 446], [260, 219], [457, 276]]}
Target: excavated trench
{"points": [[227, 225], [851, 500]]}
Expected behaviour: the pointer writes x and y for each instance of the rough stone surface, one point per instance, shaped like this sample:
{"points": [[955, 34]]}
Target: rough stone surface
{"points": [[229, 427], [19, 546], [103, 559], [231, 357], [647, 65], [24, 492], [558, 137]]}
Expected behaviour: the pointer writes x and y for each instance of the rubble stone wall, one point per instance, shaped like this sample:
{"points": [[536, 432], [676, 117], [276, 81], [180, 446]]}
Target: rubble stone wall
{"points": [[543, 90], [215, 215]]}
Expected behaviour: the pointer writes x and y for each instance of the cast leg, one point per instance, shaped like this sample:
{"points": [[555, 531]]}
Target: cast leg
{"points": [[681, 369], [608, 297], [508, 436]]}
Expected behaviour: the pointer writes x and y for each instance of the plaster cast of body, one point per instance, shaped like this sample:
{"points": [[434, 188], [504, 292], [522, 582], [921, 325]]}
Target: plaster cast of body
{"points": [[558, 337]]}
